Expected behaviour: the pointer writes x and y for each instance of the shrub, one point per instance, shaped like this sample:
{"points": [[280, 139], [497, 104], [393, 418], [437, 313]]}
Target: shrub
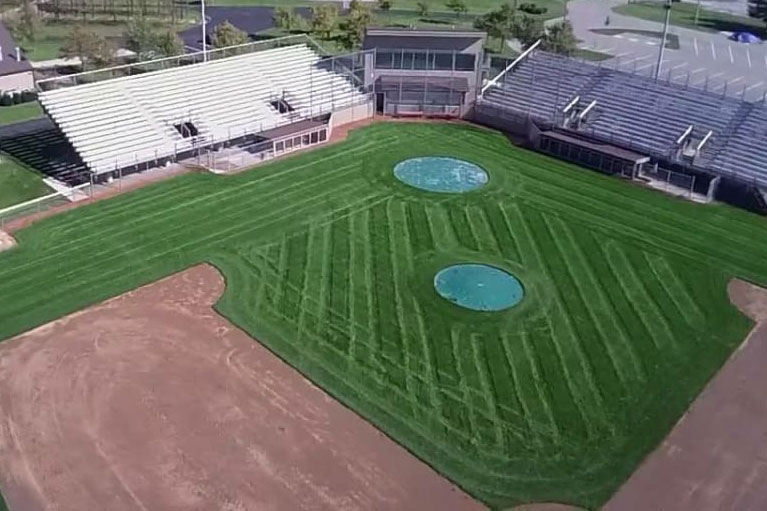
{"points": [[532, 8], [6, 100], [16, 98], [28, 96]]}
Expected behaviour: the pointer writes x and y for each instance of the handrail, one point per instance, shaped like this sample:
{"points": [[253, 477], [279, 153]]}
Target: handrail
{"points": [[684, 135], [587, 110], [510, 66], [705, 139], [571, 104]]}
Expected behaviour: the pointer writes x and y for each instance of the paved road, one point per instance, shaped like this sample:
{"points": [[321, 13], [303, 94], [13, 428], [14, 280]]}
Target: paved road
{"points": [[704, 60]]}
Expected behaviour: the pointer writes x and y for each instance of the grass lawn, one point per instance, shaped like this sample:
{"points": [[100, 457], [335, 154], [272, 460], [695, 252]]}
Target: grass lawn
{"points": [[48, 44], [329, 261], [18, 183], [18, 113], [683, 15]]}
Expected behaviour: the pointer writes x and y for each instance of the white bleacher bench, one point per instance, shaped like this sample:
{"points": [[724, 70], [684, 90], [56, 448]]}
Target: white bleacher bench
{"points": [[123, 121]]}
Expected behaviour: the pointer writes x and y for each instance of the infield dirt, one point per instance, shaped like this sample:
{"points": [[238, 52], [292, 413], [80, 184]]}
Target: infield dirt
{"points": [[153, 401]]}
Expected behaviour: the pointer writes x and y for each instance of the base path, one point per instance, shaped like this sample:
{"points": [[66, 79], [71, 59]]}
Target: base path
{"points": [[152, 401], [715, 458]]}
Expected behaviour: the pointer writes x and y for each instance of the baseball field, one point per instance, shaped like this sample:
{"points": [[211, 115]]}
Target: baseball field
{"points": [[330, 261]]}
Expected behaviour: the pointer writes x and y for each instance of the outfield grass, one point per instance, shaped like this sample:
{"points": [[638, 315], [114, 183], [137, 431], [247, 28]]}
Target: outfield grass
{"points": [[329, 262], [683, 15], [18, 183]]}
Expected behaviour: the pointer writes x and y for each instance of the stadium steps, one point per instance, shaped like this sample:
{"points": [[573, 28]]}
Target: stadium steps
{"points": [[119, 122]]}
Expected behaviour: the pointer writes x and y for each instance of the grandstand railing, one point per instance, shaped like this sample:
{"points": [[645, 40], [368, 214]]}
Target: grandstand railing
{"points": [[44, 203], [508, 68], [135, 68]]}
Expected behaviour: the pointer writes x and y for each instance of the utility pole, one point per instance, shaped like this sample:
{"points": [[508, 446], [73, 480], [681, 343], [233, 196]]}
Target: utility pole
{"points": [[204, 32], [666, 6]]}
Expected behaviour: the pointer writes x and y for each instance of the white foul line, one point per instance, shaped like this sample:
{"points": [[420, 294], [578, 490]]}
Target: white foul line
{"points": [[754, 85], [736, 80], [695, 45], [713, 51], [748, 56], [729, 48]]}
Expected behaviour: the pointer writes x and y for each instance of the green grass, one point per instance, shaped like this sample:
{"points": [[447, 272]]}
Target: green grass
{"points": [[18, 183], [683, 15], [329, 262], [18, 113], [48, 43]]}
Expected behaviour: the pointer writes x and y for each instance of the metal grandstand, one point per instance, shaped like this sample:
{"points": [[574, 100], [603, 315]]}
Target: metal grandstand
{"points": [[686, 127], [149, 113]]}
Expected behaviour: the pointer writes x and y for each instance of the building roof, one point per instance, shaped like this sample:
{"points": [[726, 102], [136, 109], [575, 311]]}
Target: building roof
{"points": [[599, 147], [295, 128], [421, 39], [9, 65]]}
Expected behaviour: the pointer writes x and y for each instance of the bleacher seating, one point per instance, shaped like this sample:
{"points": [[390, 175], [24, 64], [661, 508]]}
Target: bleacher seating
{"points": [[640, 113], [541, 85], [745, 155], [116, 123]]}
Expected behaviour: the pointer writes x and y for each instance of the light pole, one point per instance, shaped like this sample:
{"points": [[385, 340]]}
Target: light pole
{"points": [[204, 32], [666, 6]]}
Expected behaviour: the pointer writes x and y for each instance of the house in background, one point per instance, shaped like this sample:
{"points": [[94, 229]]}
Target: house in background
{"points": [[15, 70]]}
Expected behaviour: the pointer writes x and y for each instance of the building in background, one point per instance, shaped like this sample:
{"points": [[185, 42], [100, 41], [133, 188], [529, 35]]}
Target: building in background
{"points": [[15, 71], [425, 72]]}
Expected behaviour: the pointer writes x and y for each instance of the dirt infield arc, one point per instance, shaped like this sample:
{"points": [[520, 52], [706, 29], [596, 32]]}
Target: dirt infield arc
{"points": [[153, 401]]}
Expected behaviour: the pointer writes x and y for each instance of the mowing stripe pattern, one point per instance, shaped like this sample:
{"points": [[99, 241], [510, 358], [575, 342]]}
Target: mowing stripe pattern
{"points": [[329, 262]]}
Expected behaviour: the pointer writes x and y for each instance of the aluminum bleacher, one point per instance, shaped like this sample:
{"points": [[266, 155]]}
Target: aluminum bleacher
{"points": [[745, 155], [125, 121], [639, 113]]}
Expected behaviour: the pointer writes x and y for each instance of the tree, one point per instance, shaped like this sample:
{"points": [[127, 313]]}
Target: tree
{"points": [[385, 5], [457, 6], [324, 20], [25, 23], [758, 9], [560, 39], [498, 23], [140, 37], [286, 18], [227, 34], [169, 44], [354, 25], [89, 47], [527, 30], [423, 9]]}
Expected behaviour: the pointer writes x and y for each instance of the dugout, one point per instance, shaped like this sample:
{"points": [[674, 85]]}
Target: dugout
{"points": [[606, 158], [424, 72]]}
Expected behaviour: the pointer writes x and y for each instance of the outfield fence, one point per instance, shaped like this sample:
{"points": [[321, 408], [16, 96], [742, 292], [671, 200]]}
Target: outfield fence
{"points": [[45, 203]]}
